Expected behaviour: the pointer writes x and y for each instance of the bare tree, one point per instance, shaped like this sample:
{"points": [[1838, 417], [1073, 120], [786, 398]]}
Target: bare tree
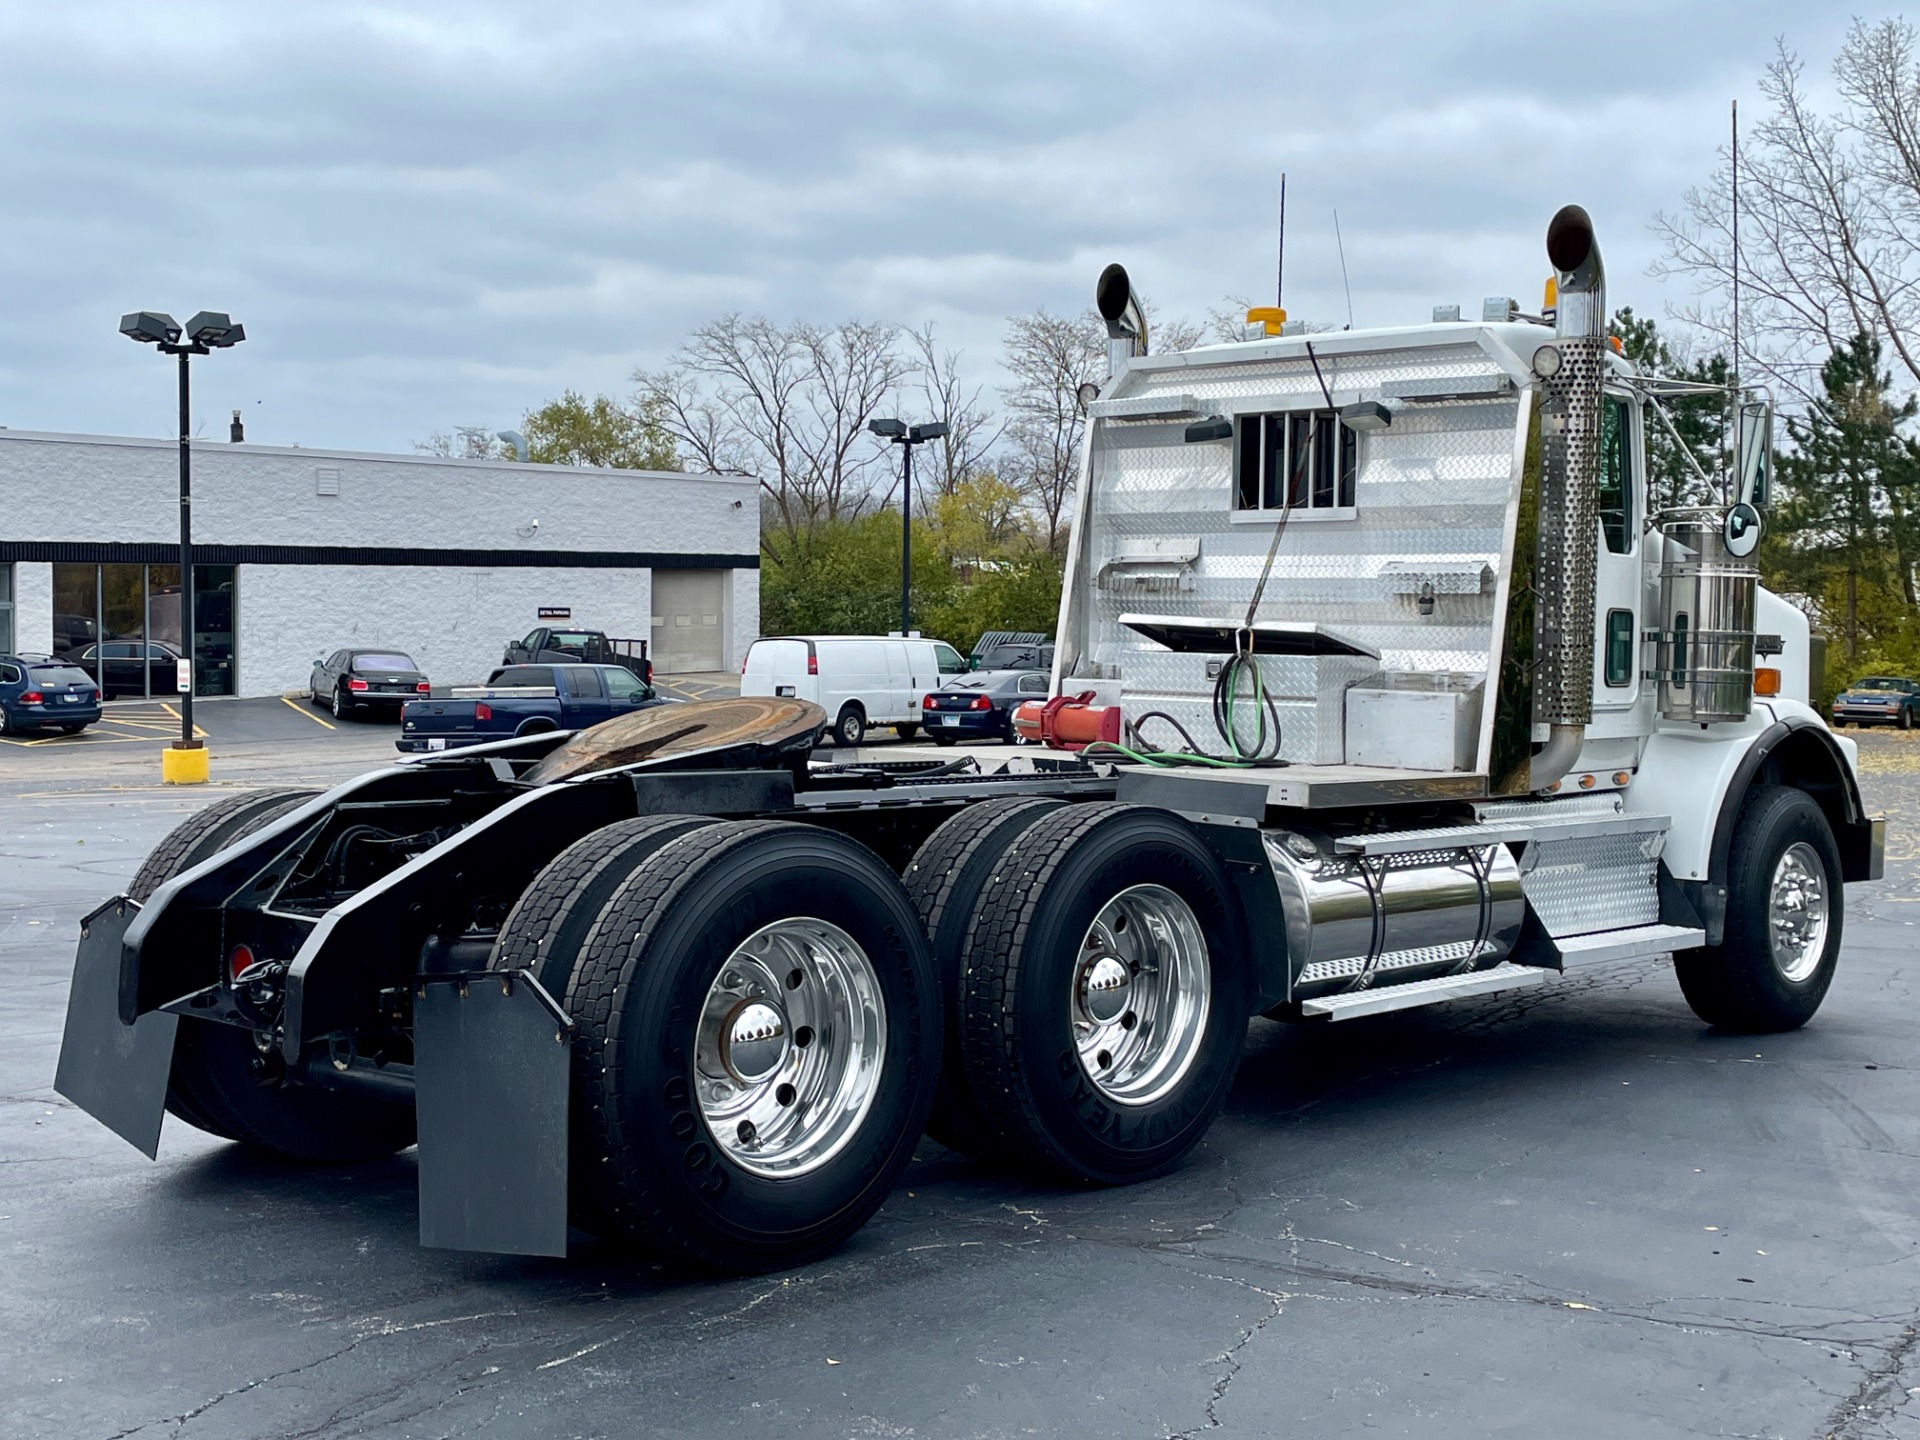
{"points": [[1829, 217], [787, 404], [465, 442], [972, 430], [1049, 357]]}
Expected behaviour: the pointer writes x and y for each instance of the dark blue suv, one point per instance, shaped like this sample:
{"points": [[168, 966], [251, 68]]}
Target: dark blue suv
{"points": [[38, 693]]}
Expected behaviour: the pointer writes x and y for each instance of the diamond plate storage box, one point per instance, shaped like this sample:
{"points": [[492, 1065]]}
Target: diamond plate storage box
{"points": [[1414, 722]]}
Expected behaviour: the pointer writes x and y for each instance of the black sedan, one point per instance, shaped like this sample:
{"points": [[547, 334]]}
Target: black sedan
{"points": [[980, 706], [382, 680]]}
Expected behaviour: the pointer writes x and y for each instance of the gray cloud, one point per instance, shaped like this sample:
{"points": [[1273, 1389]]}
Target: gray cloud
{"points": [[430, 215]]}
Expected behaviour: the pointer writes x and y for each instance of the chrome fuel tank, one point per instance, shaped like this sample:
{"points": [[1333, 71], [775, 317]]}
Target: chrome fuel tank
{"points": [[1352, 920]]}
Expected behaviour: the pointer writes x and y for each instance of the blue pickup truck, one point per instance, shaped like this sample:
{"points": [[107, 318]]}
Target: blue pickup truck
{"points": [[523, 700]]}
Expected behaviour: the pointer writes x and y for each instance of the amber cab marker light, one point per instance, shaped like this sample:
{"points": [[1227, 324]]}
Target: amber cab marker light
{"points": [[1766, 680], [1621, 777]]}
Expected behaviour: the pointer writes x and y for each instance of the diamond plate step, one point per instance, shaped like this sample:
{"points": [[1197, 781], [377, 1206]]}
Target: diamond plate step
{"points": [[1627, 944], [1382, 998], [1546, 827]]}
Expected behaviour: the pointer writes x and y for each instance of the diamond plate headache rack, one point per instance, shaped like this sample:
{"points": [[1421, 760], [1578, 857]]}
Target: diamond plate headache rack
{"points": [[1192, 634]]}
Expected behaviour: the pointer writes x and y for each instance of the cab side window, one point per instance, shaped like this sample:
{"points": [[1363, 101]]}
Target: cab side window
{"points": [[9, 675], [623, 686], [1617, 521]]}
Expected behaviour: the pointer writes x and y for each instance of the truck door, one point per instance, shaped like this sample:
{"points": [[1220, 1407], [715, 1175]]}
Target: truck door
{"points": [[584, 698], [1619, 597]]}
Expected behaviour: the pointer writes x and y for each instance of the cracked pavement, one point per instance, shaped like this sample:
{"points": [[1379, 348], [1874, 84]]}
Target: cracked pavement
{"points": [[1569, 1211]]}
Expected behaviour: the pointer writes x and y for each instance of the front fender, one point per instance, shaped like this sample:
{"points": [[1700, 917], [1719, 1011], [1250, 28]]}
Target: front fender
{"points": [[1702, 779]]}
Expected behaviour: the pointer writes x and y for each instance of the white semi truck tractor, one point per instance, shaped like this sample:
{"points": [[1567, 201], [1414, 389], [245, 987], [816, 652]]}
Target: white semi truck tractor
{"points": [[1419, 699]]}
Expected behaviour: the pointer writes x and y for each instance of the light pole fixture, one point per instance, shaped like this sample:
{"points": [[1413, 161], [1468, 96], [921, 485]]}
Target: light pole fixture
{"points": [[897, 432], [206, 332]]}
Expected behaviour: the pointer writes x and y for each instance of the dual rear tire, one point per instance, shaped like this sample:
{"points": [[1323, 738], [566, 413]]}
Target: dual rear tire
{"points": [[756, 1026], [1098, 1005]]}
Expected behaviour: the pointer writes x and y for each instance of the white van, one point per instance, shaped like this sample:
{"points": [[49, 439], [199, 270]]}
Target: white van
{"points": [[859, 680]]}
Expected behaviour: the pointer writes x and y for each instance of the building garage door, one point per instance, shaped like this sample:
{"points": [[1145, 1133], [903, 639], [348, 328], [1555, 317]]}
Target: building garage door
{"points": [[686, 620]]}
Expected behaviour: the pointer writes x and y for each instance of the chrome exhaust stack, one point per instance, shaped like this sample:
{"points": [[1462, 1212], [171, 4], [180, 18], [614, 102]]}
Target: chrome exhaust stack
{"points": [[1572, 370], [1126, 318]]}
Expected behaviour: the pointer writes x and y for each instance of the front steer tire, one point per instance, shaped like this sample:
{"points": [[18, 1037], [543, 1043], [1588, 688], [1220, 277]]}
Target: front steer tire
{"points": [[212, 1085], [1759, 978], [654, 1137], [1038, 963]]}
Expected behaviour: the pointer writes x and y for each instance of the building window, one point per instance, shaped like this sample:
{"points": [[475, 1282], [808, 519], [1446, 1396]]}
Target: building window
{"points": [[121, 623], [1304, 462]]}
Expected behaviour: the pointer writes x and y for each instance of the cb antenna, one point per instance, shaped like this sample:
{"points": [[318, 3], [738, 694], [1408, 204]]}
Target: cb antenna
{"points": [[1343, 266], [1734, 167], [1280, 261]]}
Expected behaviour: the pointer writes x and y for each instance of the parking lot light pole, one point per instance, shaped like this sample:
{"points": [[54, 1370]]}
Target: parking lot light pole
{"points": [[206, 332], [906, 437]]}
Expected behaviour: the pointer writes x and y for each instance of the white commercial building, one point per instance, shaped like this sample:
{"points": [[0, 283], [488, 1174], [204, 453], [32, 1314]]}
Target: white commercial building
{"points": [[298, 553]]}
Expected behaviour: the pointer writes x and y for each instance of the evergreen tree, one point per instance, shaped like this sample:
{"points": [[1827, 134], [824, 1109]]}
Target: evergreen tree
{"points": [[1844, 522], [1700, 420]]}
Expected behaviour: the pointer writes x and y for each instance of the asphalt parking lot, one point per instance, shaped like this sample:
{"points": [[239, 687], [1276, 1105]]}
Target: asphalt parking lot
{"points": [[1574, 1212]]}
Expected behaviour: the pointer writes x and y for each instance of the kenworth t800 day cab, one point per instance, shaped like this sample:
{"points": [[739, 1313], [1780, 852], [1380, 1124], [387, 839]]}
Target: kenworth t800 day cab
{"points": [[1419, 702]]}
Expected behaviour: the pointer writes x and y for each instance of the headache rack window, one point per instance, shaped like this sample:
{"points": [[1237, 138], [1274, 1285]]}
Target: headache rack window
{"points": [[1302, 461]]}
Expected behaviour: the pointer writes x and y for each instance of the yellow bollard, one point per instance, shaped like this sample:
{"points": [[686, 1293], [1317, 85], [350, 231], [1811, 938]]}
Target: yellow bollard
{"points": [[180, 766]]}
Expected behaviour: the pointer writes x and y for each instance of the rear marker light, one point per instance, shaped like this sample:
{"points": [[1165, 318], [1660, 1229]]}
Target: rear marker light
{"points": [[813, 664], [981, 703], [482, 710], [356, 684], [424, 688], [239, 961], [33, 697], [927, 703]]}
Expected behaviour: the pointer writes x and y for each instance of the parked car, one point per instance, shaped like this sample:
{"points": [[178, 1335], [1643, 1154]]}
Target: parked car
{"points": [[860, 680], [371, 679], [38, 692], [524, 700], [1878, 700], [981, 706], [984, 655], [129, 667], [580, 647]]}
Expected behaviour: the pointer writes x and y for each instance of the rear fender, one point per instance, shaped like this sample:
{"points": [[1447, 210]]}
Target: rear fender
{"points": [[372, 942], [165, 953]]}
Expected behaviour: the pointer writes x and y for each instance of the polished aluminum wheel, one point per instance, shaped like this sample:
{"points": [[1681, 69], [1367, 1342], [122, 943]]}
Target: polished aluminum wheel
{"points": [[1141, 987], [791, 1040], [1798, 912]]}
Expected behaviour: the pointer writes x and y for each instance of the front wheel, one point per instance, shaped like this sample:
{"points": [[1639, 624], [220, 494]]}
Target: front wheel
{"points": [[1905, 722], [758, 1025], [1776, 959], [1103, 993]]}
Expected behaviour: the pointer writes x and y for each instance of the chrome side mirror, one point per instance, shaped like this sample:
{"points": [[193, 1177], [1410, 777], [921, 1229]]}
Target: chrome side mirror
{"points": [[1753, 449], [1742, 530]]}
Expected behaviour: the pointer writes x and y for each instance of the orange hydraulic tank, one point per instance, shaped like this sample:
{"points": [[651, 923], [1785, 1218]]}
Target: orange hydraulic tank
{"points": [[1068, 722]]}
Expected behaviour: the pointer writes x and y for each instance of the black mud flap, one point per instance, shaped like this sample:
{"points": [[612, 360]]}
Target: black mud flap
{"points": [[116, 1073], [490, 1075]]}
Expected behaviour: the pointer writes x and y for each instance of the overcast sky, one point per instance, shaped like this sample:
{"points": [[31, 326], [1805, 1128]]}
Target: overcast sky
{"points": [[435, 215]]}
